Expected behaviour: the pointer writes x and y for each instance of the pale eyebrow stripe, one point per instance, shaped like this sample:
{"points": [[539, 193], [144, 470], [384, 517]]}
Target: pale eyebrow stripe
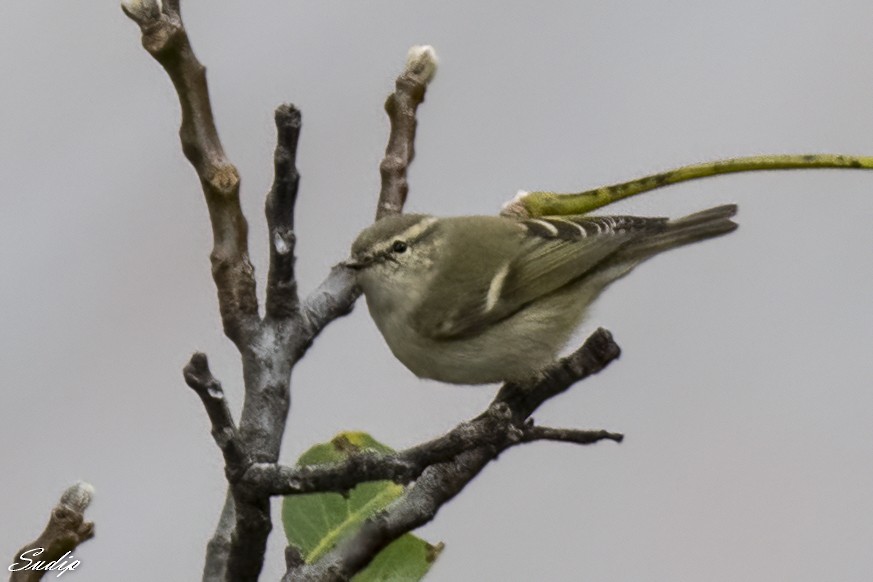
{"points": [[410, 233], [496, 287], [416, 229]]}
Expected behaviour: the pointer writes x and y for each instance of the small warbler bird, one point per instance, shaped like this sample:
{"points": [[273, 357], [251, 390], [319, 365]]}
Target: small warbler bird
{"points": [[482, 299]]}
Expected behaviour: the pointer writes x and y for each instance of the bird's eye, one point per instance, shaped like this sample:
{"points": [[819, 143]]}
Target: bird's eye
{"points": [[399, 246]]}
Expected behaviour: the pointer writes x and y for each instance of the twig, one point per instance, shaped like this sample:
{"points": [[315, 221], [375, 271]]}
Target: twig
{"points": [[333, 298], [401, 106], [495, 429], [568, 435], [233, 552], [236, 457], [338, 293], [282, 301], [490, 428], [165, 38], [533, 204], [66, 529]]}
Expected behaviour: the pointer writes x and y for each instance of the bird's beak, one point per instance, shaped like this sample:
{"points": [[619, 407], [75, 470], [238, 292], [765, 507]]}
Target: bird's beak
{"points": [[356, 263]]}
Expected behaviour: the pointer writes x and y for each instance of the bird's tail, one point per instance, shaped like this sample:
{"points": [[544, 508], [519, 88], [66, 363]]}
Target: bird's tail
{"points": [[682, 231]]}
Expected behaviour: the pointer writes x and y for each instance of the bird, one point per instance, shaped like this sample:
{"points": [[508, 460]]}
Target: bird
{"points": [[486, 299]]}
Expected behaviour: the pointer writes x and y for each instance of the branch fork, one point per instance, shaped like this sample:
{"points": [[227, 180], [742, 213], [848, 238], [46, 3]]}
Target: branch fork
{"points": [[271, 345]]}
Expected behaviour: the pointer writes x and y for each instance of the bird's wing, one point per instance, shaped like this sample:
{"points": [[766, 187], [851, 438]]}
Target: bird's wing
{"points": [[554, 252]]}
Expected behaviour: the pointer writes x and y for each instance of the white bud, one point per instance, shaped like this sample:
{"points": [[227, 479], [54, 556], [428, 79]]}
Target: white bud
{"points": [[515, 208], [141, 10], [78, 496], [422, 60]]}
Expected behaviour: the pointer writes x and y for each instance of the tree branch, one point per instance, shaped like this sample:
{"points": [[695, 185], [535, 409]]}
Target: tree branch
{"points": [[236, 456], [490, 428], [237, 548], [66, 529], [494, 428], [165, 38], [401, 105], [282, 301], [439, 483], [336, 296]]}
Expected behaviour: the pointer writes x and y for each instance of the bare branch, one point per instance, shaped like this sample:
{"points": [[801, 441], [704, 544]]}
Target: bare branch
{"points": [[282, 301], [492, 428], [66, 529], [401, 107], [224, 431], [439, 483], [336, 296], [568, 435], [236, 550], [266, 372], [165, 38]]}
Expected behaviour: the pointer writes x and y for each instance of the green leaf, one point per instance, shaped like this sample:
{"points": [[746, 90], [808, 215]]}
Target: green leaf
{"points": [[407, 558], [315, 522]]}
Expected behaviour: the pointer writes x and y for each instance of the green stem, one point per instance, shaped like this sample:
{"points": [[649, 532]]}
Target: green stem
{"points": [[535, 204]]}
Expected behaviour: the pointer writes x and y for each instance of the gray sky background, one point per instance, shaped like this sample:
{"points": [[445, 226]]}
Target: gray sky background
{"points": [[744, 385]]}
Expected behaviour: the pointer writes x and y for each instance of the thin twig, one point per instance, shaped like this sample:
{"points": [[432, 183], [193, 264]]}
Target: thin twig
{"points": [[401, 107], [282, 301], [568, 435], [165, 38], [198, 376], [533, 204], [336, 296]]}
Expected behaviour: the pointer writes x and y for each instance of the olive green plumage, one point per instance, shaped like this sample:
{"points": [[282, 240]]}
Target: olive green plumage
{"points": [[481, 299]]}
